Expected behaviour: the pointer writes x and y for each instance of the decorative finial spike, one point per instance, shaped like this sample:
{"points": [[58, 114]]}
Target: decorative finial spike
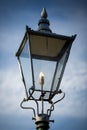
{"points": [[44, 13], [43, 24]]}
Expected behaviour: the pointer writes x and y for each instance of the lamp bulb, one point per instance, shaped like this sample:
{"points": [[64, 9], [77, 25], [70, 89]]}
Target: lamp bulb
{"points": [[41, 78]]}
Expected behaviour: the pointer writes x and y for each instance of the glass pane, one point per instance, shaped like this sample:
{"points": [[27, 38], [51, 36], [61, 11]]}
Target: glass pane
{"points": [[48, 69], [26, 65], [59, 72]]}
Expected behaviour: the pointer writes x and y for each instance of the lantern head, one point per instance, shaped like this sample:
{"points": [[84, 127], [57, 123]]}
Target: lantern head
{"points": [[45, 54]]}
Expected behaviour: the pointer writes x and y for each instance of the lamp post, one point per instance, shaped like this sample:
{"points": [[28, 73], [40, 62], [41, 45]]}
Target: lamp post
{"points": [[42, 58]]}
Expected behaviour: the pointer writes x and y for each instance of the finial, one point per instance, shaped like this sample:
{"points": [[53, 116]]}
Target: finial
{"points": [[44, 13], [43, 24]]}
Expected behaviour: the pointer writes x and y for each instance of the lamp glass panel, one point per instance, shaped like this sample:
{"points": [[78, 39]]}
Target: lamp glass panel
{"points": [[48, 69], [26, 65], [59, 71]]}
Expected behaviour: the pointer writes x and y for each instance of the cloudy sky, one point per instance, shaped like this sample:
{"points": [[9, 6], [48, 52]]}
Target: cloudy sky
{"points": [[67, 17]]}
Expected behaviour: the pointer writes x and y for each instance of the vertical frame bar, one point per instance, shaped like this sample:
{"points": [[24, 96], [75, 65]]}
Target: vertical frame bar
{"points": [[61, 74], [20, 67]]}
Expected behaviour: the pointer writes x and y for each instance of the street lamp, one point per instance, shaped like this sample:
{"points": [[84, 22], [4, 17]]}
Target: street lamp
{"points": [[42, 58]]}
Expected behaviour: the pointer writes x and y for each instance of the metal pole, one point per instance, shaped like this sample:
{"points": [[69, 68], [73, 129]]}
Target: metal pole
{"points": [[42, 99], [42, 122]]}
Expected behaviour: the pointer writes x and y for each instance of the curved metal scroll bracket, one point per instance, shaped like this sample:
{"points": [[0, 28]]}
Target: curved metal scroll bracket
{"points": [[24, 107], [53, 103], [31, 91], [49, 111]]}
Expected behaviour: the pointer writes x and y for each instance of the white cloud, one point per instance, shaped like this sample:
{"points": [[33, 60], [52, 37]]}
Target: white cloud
{"points": [[10, 90]]}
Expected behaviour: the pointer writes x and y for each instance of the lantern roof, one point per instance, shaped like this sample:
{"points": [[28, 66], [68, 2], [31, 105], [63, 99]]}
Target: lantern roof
{"points": [[53, 41]]}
